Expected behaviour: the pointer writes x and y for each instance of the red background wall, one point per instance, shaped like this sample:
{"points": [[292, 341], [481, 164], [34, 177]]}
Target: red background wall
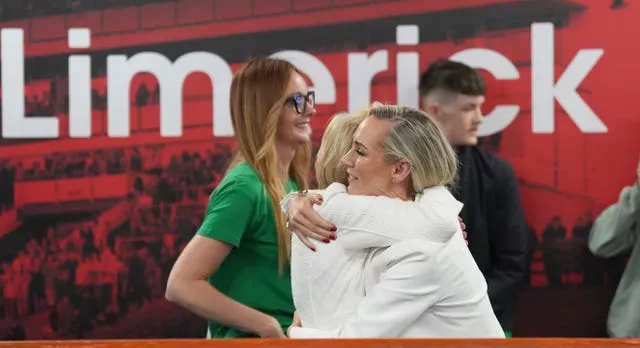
{"points": [[138, 199]]}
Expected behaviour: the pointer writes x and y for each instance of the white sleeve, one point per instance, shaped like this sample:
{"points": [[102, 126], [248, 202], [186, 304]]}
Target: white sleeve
{"points": [[374, 221], [378, 221], [407, 288]]}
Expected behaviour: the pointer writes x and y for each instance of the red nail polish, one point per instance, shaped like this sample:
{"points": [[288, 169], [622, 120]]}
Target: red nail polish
{"points": [[326, 240], [333, 236], [313, 249], [333, 229]]}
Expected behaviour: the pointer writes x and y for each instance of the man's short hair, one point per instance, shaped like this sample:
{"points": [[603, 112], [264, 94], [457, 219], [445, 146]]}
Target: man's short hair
{"points": [[453, 77]]}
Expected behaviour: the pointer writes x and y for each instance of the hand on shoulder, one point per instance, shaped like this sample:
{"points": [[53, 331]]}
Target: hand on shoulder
{"points": [[306, 223]]}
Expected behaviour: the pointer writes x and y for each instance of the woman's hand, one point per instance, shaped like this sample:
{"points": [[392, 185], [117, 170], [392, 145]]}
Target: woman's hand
{"points": [[296, 323], [272, 330], [463, 227], [306, 223]]}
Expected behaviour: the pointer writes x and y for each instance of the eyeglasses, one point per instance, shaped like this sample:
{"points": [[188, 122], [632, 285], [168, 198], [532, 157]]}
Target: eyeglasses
{"points": [[301, 101]]}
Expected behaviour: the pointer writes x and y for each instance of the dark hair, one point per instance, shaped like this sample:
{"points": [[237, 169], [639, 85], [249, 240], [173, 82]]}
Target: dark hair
{"points": [[451, 76]]}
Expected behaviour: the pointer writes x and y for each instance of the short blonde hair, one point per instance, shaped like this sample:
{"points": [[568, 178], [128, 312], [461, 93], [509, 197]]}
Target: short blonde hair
{"points": [[414, 136], [336, 142]]}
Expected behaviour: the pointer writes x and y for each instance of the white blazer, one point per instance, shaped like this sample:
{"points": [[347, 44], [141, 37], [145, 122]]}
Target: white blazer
{"points": [[420, 281]]}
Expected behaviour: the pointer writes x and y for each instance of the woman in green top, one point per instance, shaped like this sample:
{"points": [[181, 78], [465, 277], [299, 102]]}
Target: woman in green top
{"points": [[235, 272]]}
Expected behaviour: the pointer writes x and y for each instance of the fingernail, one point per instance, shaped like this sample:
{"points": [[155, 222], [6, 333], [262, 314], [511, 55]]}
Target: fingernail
{"points": [[333, 229], [333, 236], [326, 240], [313, 249]]}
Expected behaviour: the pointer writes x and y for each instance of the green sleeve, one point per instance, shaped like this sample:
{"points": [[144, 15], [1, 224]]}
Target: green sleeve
{"points": [[229, 213]]}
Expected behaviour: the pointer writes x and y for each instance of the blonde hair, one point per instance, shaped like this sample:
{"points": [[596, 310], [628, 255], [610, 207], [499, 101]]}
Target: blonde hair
{"points": [[335, 143], [258, 94], [414, 136]]}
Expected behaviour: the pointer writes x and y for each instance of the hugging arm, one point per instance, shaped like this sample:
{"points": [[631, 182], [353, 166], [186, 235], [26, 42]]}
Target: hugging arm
{"points": [[377, 221]]}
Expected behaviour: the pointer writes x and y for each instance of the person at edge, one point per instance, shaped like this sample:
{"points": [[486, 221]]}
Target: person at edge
{"points": [[615, 232]]}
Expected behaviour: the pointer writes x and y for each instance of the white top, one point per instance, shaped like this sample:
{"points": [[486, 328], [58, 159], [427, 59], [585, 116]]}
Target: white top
{"points": [[421, 281]]}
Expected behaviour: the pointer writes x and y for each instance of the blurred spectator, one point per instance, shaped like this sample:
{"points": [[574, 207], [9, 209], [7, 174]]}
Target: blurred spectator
{"points": [[142, 95], [7, 180], [9, 293], [617, 4], [15, 333], [593, 269], [532, 246], [553, 233]]}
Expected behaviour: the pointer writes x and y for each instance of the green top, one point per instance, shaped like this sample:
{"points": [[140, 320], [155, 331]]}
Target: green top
{"points": [[240, 214]]}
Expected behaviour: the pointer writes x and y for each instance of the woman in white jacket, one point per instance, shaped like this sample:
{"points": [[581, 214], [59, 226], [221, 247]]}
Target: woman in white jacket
{"points": [[419, 279]]}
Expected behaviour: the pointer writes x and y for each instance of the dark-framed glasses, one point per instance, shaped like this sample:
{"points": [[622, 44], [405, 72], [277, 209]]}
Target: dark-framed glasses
{"points": [[302, 102]]}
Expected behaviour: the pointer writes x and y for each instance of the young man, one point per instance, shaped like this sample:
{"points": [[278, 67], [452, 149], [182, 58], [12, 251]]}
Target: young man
{"points": [[453, 93]]}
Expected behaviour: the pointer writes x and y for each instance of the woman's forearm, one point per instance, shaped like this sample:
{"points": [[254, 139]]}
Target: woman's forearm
{"points": [[379, 221], [207, 302]]}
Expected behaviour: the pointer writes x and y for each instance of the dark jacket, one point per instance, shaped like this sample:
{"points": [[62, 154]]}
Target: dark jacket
{"points": [[495, 223]]}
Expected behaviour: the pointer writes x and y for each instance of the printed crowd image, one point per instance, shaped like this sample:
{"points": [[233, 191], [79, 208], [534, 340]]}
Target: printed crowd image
{"points": [[146, 143]]}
